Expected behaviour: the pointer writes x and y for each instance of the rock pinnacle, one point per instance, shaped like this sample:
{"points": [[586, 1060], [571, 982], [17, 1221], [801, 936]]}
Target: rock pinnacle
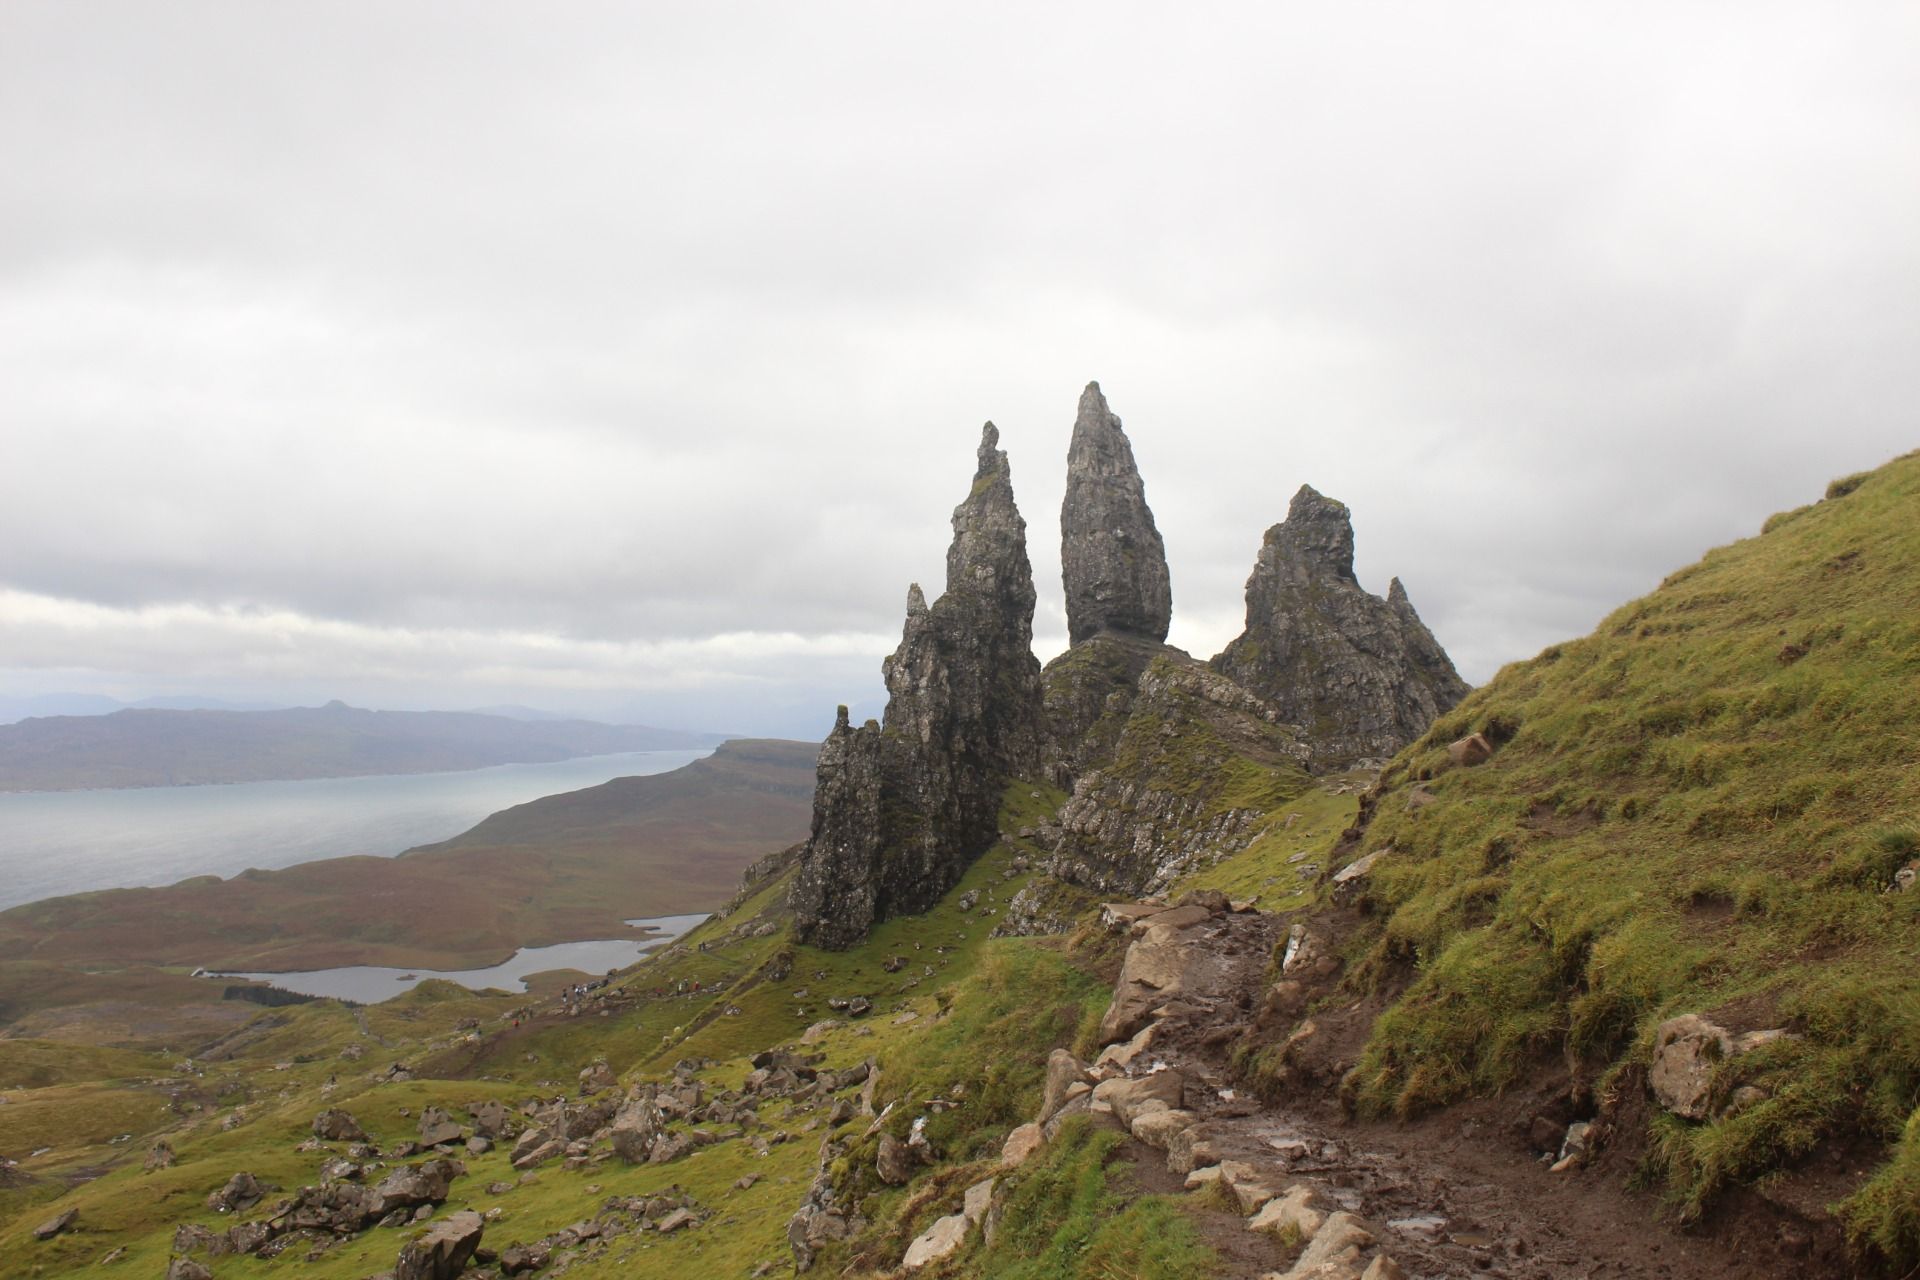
{"points": [[1113, 562]]}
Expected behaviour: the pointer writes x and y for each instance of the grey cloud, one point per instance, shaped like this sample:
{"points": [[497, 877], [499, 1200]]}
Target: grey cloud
{"points": [[631, 324]]}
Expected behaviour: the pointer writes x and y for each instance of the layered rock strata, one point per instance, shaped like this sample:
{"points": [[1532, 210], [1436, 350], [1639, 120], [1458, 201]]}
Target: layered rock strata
{"points": [[1112, 560], [901, 809], [1362, 676]]}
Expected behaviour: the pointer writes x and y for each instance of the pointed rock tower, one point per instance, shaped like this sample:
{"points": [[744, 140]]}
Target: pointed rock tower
{"points": [[1111, 557], [900, 812], [1361, 675]]}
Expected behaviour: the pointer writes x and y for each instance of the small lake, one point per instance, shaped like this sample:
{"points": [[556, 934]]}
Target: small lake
{"points": [[370, 984], [60, 842]]}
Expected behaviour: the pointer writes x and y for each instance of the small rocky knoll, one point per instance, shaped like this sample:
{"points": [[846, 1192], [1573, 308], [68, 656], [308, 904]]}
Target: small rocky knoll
{"points": [[1362, 676], [1191, 766], [901, 810], [1111, 557]]}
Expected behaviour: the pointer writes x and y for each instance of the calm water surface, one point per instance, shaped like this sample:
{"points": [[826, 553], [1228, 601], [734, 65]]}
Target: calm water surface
{"points": [[370, 984], [59, 842]]}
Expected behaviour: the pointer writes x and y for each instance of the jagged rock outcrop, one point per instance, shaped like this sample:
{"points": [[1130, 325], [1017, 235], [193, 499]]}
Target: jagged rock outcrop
{"points": [[901, 810], [1185, 778], [1112, 560], [1362, 676], [1088, 693]]}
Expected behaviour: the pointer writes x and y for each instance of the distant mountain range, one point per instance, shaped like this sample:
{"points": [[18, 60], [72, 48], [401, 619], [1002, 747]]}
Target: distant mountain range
{"points": [[160, 747], [99, 704]]}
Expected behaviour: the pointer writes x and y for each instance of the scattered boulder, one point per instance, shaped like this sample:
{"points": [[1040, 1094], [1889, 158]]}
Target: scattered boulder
{"points": [[1350, 880], [1130, 1099], [442, 1252], [895, 1161], [518, 1259], [1153, 972], [241, 1193], [1469, 751], [1121, 1057], [1063, 1071], [1685, 1051], [335, 1125], [669, 1147], [1020, 1145], [437, 1127], [1156, 1128], [1251, 1185], [1575, 1147], [1192, 1148], [1183, 917], [635, 1126], [56, 1224], [1300, 1208], [188, 1269], [938, 1241], [945, 1236], [159, 1156], [415, 1185], [597, 1077], [492, 1119], [1120, 917], [1336, 1247], [536, 1147]]}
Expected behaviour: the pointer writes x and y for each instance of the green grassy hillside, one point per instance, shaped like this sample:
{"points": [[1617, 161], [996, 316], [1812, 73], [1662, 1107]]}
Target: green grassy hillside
{"points": [[1701, 807]]}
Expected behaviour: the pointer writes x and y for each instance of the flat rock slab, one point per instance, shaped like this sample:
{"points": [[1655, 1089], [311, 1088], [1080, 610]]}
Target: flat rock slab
{"points": [[1130, 1099], [1157, 1128], [442, 1252], [55, 1225], [1021, 1144], [1300, 1208], [1172, 918], [938, 1241]]}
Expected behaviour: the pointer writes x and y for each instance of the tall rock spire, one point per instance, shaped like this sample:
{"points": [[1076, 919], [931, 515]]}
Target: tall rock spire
{"points": [[1111, 557], [1361, 675], [900, 812]]}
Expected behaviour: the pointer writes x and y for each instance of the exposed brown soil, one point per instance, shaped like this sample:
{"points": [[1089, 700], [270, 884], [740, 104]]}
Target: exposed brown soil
{"points": [[1467, 1190]]}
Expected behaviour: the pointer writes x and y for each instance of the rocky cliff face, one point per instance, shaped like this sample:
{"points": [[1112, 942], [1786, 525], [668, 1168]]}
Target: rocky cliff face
{"points": [[1361, 675], [1191, 765], [902, 809], [1111, 557]]}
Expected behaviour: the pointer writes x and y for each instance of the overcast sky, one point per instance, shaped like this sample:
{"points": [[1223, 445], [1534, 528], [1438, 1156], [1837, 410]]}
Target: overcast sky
{"points": [[630, 358]]}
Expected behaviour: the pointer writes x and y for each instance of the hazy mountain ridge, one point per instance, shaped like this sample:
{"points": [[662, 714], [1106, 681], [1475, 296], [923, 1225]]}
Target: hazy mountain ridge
{"points": [[162, 747]]}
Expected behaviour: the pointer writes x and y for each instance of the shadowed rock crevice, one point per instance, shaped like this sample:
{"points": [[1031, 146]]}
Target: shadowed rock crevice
{"points": [[902, 809], [1361, 675]]}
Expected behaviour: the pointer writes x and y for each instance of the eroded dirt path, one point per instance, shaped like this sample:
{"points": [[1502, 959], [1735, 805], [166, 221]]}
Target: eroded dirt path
{"points": [[1457, 1195]]}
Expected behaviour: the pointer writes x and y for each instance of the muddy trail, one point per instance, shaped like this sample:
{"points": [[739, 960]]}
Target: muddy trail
{"points": [[1462, 1193]]}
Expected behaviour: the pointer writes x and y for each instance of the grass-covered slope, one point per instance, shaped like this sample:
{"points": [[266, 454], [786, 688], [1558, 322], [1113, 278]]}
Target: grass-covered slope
{"points": [[1701, 807]]}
